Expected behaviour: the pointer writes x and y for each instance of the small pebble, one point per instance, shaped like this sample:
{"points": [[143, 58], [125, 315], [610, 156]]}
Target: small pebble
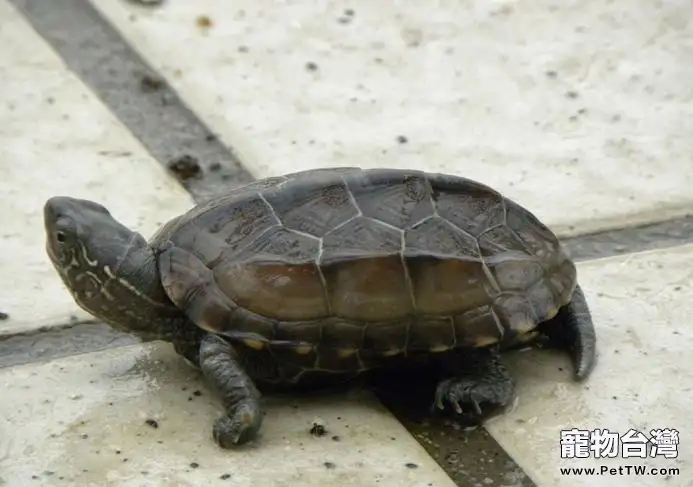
{"points": [[411, 465], [329, 465], [152, 423], [197, 393], [571, 95], [311, 66], [194, 465], [401, 139], [3, 316]]}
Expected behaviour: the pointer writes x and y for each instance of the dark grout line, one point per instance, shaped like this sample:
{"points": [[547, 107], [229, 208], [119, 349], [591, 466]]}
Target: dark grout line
{"points": [[138, 96], [670, 233], [55, 343]]}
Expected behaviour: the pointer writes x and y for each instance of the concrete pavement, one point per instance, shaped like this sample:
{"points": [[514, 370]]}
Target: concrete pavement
{"points": [[581, 112], [577, 110], [57, 138]]}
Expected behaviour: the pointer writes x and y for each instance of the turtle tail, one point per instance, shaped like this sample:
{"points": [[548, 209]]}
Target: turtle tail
{"points": [[573, 329]]}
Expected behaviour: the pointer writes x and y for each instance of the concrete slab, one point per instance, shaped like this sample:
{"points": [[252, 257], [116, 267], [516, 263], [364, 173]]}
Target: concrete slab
{"points": [[642, 307], [56, 137], [580, 110], [82, 421]]}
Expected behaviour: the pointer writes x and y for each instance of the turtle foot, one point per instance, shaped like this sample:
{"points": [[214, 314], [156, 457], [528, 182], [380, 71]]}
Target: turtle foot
{"points": [[221, 365], [239, 427], [482, 380]]}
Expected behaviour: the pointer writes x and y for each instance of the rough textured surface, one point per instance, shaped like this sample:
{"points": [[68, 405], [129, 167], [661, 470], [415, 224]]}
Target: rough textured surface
{"points": [[135, 93], [300, 84], [57, 138], [140, 416], [641, 305]]}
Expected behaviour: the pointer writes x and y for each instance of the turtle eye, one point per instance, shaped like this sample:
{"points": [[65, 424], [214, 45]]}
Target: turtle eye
{"points": [[60, 236]]}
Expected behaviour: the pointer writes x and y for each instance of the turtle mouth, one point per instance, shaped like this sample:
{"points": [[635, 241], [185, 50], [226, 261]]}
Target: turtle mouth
{"points": [[60, 262]]}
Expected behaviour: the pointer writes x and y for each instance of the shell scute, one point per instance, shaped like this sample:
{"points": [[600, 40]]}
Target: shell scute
{"points": [[369, 289], [358, 238], [279, 245], [386, 338], [278, 291], [398, 198], [276, 276], [436, 237], [479, 326], [474, 210], [501, 240], [516, 312], [515, 271], [338, 333], [300, 331], [431, 333], [242, 223], [444, 287], [445, 269], [310, 208]]}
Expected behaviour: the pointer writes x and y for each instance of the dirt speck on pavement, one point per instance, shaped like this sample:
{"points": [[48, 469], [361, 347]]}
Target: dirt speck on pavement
{"points": [[185, 167], [150, 83]]}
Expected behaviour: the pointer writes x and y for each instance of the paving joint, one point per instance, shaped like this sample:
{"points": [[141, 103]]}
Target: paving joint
{"points": [[136, 94]]}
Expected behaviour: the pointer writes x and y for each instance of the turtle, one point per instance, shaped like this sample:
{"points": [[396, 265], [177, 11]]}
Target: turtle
{"points": [[325, 274]]}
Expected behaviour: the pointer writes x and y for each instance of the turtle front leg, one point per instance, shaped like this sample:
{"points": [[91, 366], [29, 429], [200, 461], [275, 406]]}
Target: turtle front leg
{"points": [[221, 366], [192, 287], [481, 378]]}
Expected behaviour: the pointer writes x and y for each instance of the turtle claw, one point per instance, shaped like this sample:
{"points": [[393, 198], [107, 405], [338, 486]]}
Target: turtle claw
{"points": [[472, 392], [439, 402], [238, 428]]}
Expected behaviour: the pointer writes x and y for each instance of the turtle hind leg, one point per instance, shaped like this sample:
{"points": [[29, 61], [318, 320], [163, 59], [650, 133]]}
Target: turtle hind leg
{"points": [[221, 366], [480, 378], [572, 329]]}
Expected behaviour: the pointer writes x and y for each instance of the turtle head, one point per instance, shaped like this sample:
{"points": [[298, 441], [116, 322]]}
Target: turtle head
{"points": [[108, 268], [82, 236]]}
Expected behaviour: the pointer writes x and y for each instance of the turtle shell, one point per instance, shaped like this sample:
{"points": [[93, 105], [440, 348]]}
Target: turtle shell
{"points": [[348, 266]]}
